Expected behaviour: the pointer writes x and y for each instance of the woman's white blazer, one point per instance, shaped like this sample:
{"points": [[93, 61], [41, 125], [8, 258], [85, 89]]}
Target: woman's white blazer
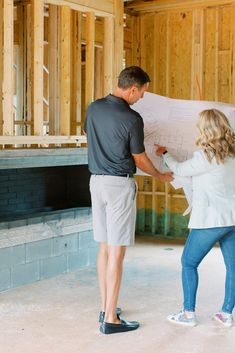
{"points": [[213, 186]]}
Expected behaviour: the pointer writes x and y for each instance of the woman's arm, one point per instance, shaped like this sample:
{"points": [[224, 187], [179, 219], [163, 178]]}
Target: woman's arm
{"points": [[197, 165]]}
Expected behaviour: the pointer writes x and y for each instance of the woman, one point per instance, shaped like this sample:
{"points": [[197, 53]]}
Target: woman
{"points": [[212, 219]]}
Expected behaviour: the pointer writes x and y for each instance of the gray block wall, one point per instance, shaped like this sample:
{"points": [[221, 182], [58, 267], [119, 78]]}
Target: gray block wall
{"points": [[45, 246]]}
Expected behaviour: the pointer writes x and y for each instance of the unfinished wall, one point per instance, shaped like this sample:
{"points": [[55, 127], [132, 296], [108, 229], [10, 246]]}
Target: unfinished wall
{"points": [[57, 57], [188, 49]]}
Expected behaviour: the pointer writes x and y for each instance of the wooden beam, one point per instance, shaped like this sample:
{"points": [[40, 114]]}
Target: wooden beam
{"points": [[37, 65], [53, 71], [27, 66], [118, 39], [8, 21], [100, 8], [232, 94], [99, 73], [1, 66], [65, 68], [76, 67], [20, 64], [159, 5], [108, 54], [135, 30], [90, 58], [24, 140]]}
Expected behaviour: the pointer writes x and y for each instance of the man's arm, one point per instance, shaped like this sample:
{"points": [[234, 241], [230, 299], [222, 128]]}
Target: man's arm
{"points": [[144, 163]]}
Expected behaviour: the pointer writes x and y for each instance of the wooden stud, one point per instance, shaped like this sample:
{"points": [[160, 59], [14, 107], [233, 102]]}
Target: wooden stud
{"points": [[76, 68], [37, 65], [108, 54], [232, 70], [135, 30], [142, 43], [28, 65], [45, 70], [217, 54], [154, 206], [53, 71], [166, 211], [99, 73], [90, 58], [168, 39], [65, 69], [224, 54], [1, 66], [20, 63], [8, 13], [118, 39]]}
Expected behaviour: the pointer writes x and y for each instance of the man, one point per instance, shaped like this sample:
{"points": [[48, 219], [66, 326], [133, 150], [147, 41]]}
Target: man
{"points": [[115, 148]]}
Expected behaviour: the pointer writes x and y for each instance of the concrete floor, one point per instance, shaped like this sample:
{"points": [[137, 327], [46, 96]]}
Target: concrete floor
{"points": [[59, 315]]}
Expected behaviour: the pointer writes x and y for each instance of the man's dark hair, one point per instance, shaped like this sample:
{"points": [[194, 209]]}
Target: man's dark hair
{"points": [[132, 76]]}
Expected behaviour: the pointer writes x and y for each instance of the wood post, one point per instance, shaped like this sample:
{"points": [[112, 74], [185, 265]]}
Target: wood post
{"points": [[118, 39], [8, 124], [65, 68], [108, 54], [90, 58], [37, 65], [53, 71]]}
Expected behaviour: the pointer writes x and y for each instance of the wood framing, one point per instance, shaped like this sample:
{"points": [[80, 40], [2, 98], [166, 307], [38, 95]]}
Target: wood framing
{"points": [[143, 6], [53, 71], [108, 54], [232, 82], [8, 126], [99, 8], [37, 65], [1, 66], [27, 67], [191, 49], [20, 63], [76, 73], [118, 39], [65, 68], [31, 140], [197, 55], [90, 58]]}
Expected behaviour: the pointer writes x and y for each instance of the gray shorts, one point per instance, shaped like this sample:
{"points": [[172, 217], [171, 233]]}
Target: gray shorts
{"points": [[113, 209]]}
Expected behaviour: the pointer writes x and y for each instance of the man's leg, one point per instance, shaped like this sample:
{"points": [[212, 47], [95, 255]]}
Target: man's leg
{"points": [[113, 280], [102, 262]]}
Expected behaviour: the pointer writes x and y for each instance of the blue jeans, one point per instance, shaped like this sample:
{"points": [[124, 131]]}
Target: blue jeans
{"points": [[198, 244]]}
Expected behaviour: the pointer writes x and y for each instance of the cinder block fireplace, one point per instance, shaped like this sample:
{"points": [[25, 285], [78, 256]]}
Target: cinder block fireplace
{"points": [[45, 214]]}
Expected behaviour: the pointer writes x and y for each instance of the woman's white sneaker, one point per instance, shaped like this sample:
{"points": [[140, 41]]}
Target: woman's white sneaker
{"points": [[225, 319], [182, 319]]}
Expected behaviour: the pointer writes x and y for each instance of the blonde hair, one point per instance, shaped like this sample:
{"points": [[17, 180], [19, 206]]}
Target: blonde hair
{"points": [[217, 136]]}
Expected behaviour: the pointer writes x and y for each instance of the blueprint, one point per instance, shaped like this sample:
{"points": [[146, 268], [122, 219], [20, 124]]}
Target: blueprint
{"points": [[172, 123]]}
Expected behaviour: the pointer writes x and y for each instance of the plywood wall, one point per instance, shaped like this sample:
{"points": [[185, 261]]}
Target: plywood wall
{"points": [[189, 51]]}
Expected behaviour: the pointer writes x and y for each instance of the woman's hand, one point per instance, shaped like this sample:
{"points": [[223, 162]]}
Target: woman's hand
{"points": [[159, 150], [166, 177]]}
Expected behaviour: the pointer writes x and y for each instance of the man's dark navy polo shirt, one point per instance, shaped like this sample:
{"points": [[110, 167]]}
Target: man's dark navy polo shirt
{"points": [[114, 131]]}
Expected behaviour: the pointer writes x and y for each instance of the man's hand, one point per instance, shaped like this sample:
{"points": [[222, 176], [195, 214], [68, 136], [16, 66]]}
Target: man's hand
{"points": [[166, 177], [159, 150]]}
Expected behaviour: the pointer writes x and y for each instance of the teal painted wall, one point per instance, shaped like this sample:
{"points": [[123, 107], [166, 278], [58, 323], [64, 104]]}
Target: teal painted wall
{"points": [[167, 224]]}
